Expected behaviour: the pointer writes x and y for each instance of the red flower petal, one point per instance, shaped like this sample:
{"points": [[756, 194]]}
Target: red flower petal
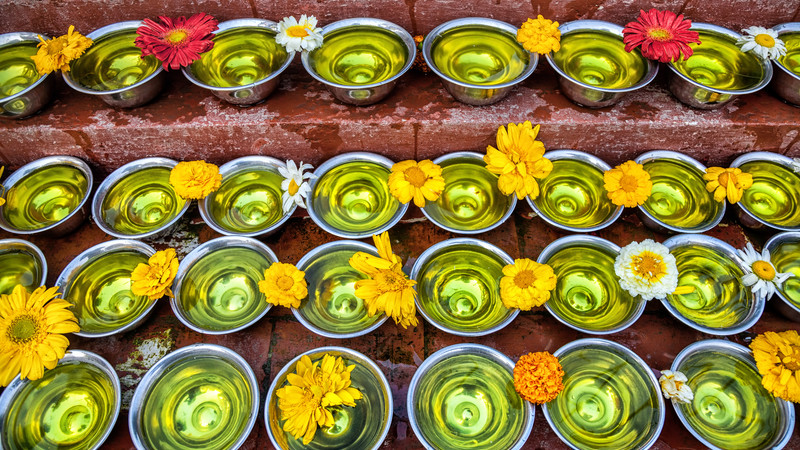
{"points": [[199, 32], [637, 34]]}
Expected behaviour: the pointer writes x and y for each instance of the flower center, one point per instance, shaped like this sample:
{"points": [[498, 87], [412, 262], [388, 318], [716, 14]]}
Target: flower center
{"points": [[297, 31], [765, 40], [659, 34], [724, 178], [415, 176], [285, 282], [763, 270], [629, 183], [293, 187], [649, 266], [391, 280], [792, 361], [22, 329], [176, 37], [524, 279]]}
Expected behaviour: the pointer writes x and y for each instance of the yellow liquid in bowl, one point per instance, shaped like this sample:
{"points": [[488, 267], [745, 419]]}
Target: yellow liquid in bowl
{"points": [[477, 54], [248, 201], [786, 258], [17, 69], [19, 267], [113, 62], [719, 64], [359, 55], [599, 59], [791, 60], [44, 197], [240, 56], [679, 197], [573, 195], [774, 196]]}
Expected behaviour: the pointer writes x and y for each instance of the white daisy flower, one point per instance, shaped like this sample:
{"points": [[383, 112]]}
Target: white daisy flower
{"points": [[648, 269], [763, 42], [761, 274], [295, 185], [299, 35], [674, 387]]}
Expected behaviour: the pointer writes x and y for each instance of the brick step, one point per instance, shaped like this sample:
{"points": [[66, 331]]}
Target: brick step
{"points": [[418, 120]]}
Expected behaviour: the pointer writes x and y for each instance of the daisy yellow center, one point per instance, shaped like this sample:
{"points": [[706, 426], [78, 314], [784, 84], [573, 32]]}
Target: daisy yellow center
{"points": [[285, 282], [297, 31], [293, 187], [23, 329], [415, 176], [659, 34], [765, 40], [524, 279], [176, 37], [629, 183], [649, 266], [763, 270]]}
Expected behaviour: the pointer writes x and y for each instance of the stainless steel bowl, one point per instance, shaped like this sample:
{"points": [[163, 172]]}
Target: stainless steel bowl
{"points": [[785, 82], [34, 97], [592, 161], [71, 357], [587, 94], [441, 357], [248, 94], [726, 251], [743, 213], [233, 168], [272, 413], [786, 420], [700, 96], [659, 226], [367, 94], [79, 263], [785, 306], [69, 223], [475, 94], [21, 246], [131, 96]]}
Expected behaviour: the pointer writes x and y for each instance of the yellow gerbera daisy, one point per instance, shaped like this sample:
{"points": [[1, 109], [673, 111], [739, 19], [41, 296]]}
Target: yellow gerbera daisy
{"points": [[154, 279], [313, 388], [56, 54], [628, 184], [526, 284], [195, 179], [538, 377], [540, 35], [777, 357], [387, 289], [284, 285], [518, 160], [31, 329], [416, 180], [730, 183]]}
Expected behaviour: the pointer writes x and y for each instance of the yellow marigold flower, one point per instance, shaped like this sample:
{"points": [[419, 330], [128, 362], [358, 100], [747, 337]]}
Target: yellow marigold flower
{"points": [[31, 329], [730, 182], [56, 54], [419, 181], [526, 284], [195, 179], [305, 400], [387, 289], [284, 285], [154, 279], [538, 377], [628, 184], [540, 35], [518, 160], [777, 357]]}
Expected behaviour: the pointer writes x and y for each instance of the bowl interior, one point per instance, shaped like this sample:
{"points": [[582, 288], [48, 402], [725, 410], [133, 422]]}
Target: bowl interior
{"points": [[786, 258], [774, 196], [791, 60], [719, 64], [45, 196], [113, 62], [248, 200], [598, 58], [21, 265], [17, 69]]}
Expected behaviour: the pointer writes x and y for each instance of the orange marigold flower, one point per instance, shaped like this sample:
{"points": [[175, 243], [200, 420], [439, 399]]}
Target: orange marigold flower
{"points": [[538, 377]]}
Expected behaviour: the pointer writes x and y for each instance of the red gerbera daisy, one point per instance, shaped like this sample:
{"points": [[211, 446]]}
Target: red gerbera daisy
{"points": [[176, 42], [662, 35]]}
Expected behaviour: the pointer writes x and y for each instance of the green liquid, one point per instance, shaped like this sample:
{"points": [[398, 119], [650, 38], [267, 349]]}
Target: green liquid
{"points": [[355, 197], [730, 408], [113, 62], [469, 401], [17, 69], [200, 402], [240, 56], [44, 197], [719, 299], [248, 201], [599, 59], [719, 64], [356, 427], [471, 199], [608, 401], [70, 407], [588, 294], [774, 196], [141, 202], [791, 60], [573, 195], [786, 258], [19, 267], [479, 55], [679, 197], [220, 291], [101, 293], [459, 288], [332, 304], [359, 55]]}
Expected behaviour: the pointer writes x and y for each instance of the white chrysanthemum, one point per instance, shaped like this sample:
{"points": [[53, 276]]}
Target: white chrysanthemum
{"points": [[764, 42], [648, 269], [295, 185], [761, 274], [299, 35], [674, 387]]}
